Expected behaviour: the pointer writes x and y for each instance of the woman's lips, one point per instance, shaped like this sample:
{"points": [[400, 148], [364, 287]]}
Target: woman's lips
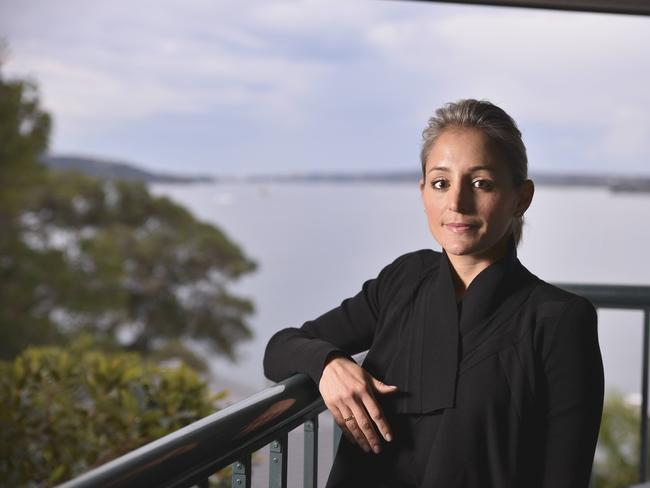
{"points": [[460, 228]]}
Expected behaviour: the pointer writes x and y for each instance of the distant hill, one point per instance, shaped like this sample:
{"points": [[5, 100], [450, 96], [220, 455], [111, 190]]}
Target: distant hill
{"points": [[103, 168]]}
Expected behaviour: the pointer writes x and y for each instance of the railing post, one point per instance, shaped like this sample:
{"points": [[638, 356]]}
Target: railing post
{"points": [[336, 437], [643, 461], [310, 479], [241, 472], [278, 462]]}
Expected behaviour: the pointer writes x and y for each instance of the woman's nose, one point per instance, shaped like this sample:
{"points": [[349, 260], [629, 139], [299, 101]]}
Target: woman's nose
{"points": [[459, 199]]}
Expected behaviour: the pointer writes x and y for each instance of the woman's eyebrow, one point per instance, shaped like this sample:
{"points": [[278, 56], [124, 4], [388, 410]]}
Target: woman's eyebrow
{"points": [[483, 168], [472, 169]]}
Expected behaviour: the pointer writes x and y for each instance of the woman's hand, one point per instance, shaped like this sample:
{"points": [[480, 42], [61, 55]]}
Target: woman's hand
{"points": [[349, 393]]}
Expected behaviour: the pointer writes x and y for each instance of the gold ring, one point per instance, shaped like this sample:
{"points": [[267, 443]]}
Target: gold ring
{"points": [[348, 418]]}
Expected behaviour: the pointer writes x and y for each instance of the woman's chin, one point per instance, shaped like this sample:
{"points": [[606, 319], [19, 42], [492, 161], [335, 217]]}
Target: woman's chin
{"points": [[460, 246], [459, 249]]}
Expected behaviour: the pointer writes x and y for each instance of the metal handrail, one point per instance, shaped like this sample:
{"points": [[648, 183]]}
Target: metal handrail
{"points": [[612, 296], [190, 455]]}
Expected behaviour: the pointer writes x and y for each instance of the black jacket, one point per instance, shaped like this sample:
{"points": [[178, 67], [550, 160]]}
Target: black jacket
{"points": [[516, 381]]}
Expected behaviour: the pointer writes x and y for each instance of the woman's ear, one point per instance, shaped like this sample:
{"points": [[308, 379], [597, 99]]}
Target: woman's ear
{"points": [[526, 192], [422, 192], [424, 203]]}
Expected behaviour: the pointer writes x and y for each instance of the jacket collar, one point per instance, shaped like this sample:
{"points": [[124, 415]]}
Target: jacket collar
{"points": [[495, 292], [487, 291]]}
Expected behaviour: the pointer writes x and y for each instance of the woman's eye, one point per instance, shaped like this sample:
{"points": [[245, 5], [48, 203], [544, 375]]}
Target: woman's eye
{"points": [[482, 184], [439, 184]]}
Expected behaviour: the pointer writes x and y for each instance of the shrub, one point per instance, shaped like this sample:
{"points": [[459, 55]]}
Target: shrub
{"points": [[64, 411], [617, 455]]}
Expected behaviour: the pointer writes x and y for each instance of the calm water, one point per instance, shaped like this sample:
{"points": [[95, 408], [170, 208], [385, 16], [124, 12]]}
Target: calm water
{"points": [[317, 243]]}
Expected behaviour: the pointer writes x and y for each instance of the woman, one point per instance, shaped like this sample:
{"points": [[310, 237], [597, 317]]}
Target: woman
{"points": [[478, 374]]}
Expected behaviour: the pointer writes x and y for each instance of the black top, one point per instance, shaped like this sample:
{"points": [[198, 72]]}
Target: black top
{"points": [[513, 390]]}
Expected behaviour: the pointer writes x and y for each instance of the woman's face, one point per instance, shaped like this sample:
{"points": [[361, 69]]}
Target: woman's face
{"points": [[469, 196]]}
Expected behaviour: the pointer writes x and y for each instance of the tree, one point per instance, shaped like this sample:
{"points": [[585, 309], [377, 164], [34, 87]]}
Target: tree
{"points": [[24, 132], [79, 254], [24, 135], [104, 258]]}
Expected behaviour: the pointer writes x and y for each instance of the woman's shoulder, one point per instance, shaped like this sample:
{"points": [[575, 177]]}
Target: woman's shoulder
{"points": [[425, 258], [566, 330], [406, 271], [555, 303], [412, 265]]}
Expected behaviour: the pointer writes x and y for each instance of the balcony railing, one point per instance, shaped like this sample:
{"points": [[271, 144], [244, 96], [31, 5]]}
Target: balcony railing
{"points": [[190, 455]]}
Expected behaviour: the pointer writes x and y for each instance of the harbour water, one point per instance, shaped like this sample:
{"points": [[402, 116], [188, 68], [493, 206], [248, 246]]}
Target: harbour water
{"points": [[316, 243]]}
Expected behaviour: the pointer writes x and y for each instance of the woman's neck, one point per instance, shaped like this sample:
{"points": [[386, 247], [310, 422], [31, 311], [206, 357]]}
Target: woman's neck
{"points": [[467, 267]]}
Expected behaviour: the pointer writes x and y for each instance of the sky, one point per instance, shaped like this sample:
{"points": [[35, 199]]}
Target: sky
{"points": [[277, 86]]}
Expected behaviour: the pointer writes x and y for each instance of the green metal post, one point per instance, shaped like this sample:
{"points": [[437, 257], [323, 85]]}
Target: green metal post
{"points": [[643, 461], [278, 462], [337, 437], [241, 472], [311, 453]]}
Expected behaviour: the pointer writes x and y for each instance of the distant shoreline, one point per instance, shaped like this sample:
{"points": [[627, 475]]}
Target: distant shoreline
{"points": [[614, 183], [104, 168]]}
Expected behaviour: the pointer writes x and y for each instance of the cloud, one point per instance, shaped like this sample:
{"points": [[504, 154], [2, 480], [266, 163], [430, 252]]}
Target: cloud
{"points": [[569, 70], [515, 53], [362, 75], [158, 65]]}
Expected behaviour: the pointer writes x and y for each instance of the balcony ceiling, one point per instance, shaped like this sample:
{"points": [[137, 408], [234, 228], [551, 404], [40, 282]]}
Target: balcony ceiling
{"points": [[631, 7]]}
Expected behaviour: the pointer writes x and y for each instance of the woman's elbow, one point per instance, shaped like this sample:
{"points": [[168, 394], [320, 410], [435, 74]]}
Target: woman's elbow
{"points": [[272, 362]]}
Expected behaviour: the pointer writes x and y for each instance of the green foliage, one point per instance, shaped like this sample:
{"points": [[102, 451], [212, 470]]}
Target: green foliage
{"points": [[617, 454], [24, 133], [106, 258], [65, 411]]}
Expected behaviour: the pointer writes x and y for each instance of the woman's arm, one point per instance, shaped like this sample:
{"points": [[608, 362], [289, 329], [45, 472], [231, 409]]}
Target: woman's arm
{"points": [[343, 331], [573, 373], [322, 348]]}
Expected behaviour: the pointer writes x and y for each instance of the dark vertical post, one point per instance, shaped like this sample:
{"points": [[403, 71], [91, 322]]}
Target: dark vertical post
{"points": [[241, 472], [310, 479], [336, 437], [278, 462], [643, 462]]}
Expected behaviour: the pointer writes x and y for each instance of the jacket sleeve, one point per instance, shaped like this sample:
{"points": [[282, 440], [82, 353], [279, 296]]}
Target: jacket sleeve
{"points": [[573, 375], [344, 330]]}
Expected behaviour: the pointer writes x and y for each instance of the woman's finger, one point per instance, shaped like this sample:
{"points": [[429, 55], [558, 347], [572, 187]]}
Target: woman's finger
{"points": [[351, 426], [364, 429], [374, 410], [377, 416], [341, 422]]}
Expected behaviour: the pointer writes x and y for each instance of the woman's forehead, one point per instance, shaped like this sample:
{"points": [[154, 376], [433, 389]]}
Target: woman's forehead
{"points": [[466, 150]]}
